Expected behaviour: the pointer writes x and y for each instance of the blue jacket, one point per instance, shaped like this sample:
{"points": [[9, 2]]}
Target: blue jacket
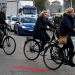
{"points": [[40, 27], [66, 25]]}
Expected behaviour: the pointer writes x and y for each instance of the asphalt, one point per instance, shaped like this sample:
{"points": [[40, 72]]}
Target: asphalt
{"points": [[18, 64]]}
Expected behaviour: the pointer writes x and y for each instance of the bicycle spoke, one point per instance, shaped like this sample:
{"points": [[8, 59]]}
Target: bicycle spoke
{"points": [[31, 49], [52, 60], [9, 45]]}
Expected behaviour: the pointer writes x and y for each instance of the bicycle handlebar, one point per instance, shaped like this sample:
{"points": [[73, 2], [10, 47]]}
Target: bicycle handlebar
{"points": [[51, 29]]}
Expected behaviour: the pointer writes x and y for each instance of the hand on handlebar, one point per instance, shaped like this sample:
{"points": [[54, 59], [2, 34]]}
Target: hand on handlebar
{"points": [[47, 28], [51, 29]]}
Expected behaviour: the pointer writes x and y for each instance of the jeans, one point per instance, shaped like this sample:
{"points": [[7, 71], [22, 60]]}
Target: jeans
{"points": [[44, 39]]}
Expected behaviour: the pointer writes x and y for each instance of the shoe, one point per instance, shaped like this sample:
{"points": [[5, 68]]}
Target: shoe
{"points": [[42, 53], [71, 64], [1, 46]]}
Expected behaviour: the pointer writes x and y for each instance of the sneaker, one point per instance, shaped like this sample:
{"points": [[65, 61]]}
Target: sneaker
{"points": [[41, 53]]}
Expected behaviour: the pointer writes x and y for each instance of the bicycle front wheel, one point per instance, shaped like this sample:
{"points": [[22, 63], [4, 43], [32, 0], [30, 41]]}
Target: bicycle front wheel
{"points": [[51, 57], [9, 45], [31, 49]]}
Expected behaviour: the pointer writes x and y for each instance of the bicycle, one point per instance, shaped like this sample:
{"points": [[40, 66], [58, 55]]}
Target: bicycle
{"points": [[52, 59], [32, 46], [9, 44]]}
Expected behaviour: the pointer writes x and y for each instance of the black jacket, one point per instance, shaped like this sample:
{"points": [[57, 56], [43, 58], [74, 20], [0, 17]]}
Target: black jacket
{"points": [[3, 14], [66, 25], [2, 18], [40, 27]]}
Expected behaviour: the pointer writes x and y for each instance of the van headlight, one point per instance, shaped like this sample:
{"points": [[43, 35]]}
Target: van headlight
{"points": [[24, 27]]}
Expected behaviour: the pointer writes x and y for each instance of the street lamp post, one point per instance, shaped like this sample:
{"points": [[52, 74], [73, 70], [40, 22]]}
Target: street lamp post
{"points": [[71, 3], [63, 6]]}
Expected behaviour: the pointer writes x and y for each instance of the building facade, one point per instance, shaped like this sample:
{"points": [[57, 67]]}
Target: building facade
{"points": [[3, 3], [67, 4], [55, 7]]}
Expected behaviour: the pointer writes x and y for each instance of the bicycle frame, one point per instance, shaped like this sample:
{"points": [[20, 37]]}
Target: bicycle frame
{"points": [[53, 37]]}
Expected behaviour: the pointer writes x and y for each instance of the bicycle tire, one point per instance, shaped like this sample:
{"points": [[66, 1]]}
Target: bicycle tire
{"points": [[52, 65], [56, 61], [33, 49], [7, 44]]}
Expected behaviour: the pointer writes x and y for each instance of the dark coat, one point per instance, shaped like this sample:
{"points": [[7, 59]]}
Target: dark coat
{"points": [[40, 27], [66, 25], [2, 18]]}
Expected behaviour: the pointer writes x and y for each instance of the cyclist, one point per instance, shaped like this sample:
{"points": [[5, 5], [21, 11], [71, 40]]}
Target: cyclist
{"points": [[39, 31], [66, 27], [2, 22]]}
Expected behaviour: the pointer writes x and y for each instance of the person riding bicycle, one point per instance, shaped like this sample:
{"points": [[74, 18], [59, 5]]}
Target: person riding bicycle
{"points": [[39, 31], [2, 23], [66, 27]]}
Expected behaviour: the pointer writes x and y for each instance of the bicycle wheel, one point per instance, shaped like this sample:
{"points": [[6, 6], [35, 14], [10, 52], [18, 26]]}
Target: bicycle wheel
{"points": [[9, 45], [51, 57], [73, 59], [31, 49], [55, 54]]}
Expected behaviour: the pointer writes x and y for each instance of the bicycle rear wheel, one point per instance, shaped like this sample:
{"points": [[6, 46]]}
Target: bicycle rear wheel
{"points": [[31, 49], [51, 57], [9, 45]]}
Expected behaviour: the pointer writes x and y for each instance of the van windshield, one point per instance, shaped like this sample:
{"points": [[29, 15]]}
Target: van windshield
{"points": [[29, 11]]}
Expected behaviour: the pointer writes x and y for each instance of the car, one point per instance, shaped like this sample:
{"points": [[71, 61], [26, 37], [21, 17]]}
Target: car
{"points": [[8, 19], [13, 19], [50, 18], [25, 25], [57, 18]]}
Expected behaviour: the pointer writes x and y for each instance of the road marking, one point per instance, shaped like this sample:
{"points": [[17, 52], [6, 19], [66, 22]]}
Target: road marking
{"points": [[31, 69], [37, 63]]}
